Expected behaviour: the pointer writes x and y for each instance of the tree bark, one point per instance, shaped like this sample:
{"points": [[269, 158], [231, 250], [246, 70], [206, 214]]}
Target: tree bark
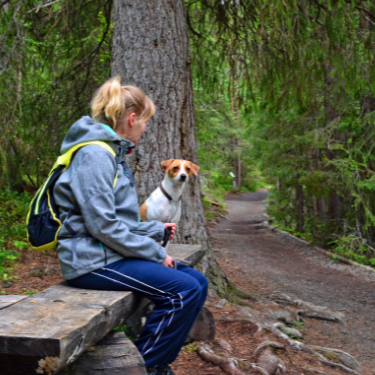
{"points": [[300, 209], [151, 50]]}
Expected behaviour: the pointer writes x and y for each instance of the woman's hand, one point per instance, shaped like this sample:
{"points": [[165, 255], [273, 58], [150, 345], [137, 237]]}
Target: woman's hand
{"points": [[169, 262], [173, 226]]}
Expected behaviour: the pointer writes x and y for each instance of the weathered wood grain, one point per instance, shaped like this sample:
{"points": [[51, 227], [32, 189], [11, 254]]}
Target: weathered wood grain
{"points": [[48, 331], [51, 329], [192, 253], [115, 354], [6, 301]]}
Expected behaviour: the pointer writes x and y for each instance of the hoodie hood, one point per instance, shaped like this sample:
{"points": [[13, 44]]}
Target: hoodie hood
{"points": [[86, 129]]}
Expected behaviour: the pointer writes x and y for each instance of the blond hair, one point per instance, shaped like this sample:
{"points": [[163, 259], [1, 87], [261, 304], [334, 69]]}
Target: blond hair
{"points": [[111, 101]]}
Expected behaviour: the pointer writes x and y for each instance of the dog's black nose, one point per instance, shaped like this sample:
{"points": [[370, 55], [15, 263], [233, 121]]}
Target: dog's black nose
{"points": [[183, 177]]}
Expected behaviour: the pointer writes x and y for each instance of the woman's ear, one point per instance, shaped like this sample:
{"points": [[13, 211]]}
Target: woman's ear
{"points": [[194, 168], [166, 164], [131, 119]]}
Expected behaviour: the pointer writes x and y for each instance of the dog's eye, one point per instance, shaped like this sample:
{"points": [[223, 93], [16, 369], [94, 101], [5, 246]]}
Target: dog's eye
{"points": [[188, 169], [175, 168]]}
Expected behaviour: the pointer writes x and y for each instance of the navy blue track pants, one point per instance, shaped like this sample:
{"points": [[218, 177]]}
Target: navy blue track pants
{"points": [[178, 295]]}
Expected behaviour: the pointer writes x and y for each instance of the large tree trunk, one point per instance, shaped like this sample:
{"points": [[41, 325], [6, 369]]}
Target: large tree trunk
{"points": [[151, 51]]}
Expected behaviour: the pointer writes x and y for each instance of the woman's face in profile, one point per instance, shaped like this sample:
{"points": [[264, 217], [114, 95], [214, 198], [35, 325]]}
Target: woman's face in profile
{"points": [[138, 130], [131, 128]]}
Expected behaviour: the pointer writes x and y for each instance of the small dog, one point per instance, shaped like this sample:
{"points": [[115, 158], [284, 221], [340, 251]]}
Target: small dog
{"points": [[164, 203]]}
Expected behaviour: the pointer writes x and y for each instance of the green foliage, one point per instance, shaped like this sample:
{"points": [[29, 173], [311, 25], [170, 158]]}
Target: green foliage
{"points": [[222, 139], [299, 325], [29, 292], [56, 56], [302, 75], [355, 249], [7, 259], [191, 347], [20, 244], [13, 211]]}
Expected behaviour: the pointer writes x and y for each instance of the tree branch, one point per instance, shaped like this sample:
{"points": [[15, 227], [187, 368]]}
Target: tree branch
{"points": [[43, 6]]}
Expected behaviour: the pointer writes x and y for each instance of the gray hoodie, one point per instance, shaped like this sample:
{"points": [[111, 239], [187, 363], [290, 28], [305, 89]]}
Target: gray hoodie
{"points": [[101, 223]]}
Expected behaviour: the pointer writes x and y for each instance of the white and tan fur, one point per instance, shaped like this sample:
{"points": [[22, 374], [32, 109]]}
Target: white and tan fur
{"points": [[157, 206]]}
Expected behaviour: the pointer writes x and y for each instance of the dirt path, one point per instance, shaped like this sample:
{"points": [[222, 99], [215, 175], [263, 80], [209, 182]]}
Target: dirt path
{"points": [[261, 261]]}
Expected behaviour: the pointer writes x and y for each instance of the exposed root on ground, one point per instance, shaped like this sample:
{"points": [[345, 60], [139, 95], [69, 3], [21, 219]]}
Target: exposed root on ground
{"points": [[266, 344], [268, 363], [333, 358], [299, 346], [313, 311], [226, 364], [224, 344], [345, 358], [288, 330]]}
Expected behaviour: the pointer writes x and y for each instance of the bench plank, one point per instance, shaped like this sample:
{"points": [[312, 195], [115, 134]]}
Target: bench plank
{"points": [[47, 331], [192, 253], [6, 301], [115, 354]]}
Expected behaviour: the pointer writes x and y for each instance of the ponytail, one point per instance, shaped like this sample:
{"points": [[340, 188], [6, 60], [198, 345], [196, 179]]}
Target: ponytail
{"points": [[112, 101]]}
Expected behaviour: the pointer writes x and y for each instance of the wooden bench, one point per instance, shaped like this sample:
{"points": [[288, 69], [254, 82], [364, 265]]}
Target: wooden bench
{"points": [[114, 354], [44, 333]]}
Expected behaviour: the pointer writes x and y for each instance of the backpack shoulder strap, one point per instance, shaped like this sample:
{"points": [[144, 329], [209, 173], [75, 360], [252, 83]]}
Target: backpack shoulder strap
{"points": [[66, 158]]}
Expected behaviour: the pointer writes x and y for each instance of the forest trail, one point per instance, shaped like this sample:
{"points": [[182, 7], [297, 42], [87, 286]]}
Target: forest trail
{"points": [[264, 262]]}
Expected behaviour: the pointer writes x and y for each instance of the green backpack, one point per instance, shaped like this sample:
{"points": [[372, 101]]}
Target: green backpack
{"points": [[42, 222]]}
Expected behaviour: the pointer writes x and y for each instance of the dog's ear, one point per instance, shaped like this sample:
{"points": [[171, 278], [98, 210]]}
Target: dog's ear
{"points": [[166, 164], [194, 168]]}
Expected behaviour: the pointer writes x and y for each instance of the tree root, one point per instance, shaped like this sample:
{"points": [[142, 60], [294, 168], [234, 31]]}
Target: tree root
{"points": [[315, 311], [226, 364], [345, 361], [299, 346], [297, 313], [266, 344], [224, 344], [345, 358], [257, 368], [281, 316], [271, 364], [339, 366], [296, 345], [288, 330]]}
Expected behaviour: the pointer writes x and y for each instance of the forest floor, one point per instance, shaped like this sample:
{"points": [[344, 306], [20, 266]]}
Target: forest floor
{"points": [[268, 265], [265, 263]]}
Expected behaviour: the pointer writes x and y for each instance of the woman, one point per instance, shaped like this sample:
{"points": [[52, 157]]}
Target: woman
{"points": [[103, 245]]}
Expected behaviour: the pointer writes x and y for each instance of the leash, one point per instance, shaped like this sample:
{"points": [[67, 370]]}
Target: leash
{"points": [[171, 216], [167, 234]]}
